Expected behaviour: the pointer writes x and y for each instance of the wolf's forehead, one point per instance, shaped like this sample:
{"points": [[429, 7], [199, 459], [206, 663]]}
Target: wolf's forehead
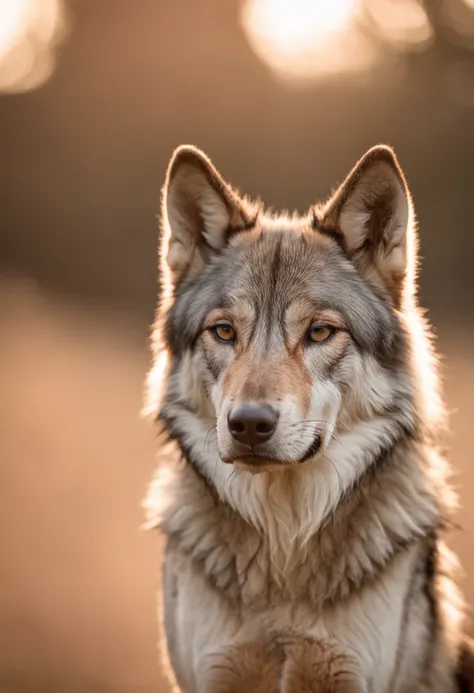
{"points": [[270, 272], [273, 272], [284, 266]]}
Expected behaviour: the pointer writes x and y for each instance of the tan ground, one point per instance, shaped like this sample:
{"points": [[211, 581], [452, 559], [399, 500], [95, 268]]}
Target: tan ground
{"points": [[78, 577]]}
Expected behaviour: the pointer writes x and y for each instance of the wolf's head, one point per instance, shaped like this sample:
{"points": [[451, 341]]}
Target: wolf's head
{"points": [[289, 347], [289, 339]]}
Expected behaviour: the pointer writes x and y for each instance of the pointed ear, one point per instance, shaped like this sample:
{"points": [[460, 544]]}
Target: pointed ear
{"points": [[371, 215], [199, 212]]}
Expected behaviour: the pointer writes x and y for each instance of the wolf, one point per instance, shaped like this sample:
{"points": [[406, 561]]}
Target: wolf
{"points": [[302, 490]]}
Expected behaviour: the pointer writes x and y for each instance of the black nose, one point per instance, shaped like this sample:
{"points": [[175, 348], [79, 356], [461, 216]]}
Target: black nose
{"points": [[252, 424]]}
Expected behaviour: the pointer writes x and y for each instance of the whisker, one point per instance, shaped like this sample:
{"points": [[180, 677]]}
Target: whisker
{"points": [[207, 440], [341, 485], [215, 468], [207, 443], [231, 476], [303, 422]]}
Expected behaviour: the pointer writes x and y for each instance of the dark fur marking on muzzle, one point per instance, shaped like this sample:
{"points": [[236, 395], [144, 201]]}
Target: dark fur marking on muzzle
{"points": [[312, 450]]}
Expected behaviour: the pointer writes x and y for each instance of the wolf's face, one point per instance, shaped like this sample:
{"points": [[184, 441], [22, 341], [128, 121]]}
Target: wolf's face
{"points": [[283, 330]]}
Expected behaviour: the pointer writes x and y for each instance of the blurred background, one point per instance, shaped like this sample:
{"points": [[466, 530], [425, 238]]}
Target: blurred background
{"points": [[284, 95]]}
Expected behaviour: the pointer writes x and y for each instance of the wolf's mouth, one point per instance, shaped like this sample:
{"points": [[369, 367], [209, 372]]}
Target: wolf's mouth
{"points": [[262, 460]]}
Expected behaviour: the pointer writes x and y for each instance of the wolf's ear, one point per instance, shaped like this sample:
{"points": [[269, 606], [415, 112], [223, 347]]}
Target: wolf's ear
{"points": [[199, 211], [371, 214]]}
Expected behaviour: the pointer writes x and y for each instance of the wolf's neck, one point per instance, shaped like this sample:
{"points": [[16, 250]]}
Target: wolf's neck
{"points": [[321, 528]]}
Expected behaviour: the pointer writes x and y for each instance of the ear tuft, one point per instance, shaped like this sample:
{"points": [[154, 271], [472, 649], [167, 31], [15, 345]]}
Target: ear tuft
{"points": [[199, 210]]}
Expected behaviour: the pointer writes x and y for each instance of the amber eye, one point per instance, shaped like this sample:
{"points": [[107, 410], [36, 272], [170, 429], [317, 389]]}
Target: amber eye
{"points": [[223, 332], [320, 333]]}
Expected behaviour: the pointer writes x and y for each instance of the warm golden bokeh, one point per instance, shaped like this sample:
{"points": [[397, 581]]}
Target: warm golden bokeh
{"points": [[314, 39], [29, 33], [403, 23], [307, 38]]}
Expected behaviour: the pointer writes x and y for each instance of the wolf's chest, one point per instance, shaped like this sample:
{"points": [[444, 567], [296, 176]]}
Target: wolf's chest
{"points": [[200, 622]]}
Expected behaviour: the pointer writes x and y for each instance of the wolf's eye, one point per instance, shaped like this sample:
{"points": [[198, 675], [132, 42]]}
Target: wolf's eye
{"points": [[320, 333], [223, 332]]}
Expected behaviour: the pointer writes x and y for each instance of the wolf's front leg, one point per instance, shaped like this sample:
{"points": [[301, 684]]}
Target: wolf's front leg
{"points": [[243, 668], [296, 665], [317, 666]]}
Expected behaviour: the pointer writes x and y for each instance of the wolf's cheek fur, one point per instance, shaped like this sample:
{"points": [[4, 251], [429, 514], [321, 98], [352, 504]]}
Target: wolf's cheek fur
{"points": [[355, 387], [358, 389]]}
